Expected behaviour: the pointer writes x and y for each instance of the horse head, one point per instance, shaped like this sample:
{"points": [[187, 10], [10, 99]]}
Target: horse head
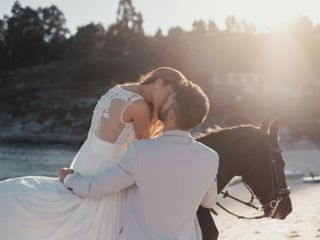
{"points": [[255, 154], [266, 176]]}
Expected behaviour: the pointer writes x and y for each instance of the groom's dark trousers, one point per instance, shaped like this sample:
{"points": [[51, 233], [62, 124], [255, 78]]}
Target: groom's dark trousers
{"points": [[207, 225]]}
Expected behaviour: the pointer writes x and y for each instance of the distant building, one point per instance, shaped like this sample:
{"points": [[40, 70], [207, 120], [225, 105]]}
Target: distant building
{"points": [[233, 86]]}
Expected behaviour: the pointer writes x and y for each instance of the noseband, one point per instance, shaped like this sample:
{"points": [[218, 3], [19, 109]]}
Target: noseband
{"points": [[272, 199], [279, 193]]}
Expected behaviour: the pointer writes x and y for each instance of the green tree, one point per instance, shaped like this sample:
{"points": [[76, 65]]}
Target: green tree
{"points": [[247, 27], [55, 31], [199, 27], [54, 23], [33, 36], [3, 50], [176, 33], [212, 27], [128, 22], [87, 39], [232, 25], [159, 33], [25, 36]]}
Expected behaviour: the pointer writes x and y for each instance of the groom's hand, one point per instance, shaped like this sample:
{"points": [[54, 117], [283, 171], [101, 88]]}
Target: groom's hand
{"points": [[64, 172]]}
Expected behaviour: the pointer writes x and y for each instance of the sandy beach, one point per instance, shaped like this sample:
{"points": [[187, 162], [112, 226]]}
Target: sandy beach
{"points": [[302, 223]]}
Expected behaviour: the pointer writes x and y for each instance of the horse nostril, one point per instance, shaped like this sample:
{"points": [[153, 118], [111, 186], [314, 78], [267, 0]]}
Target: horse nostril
{"points": [[285, 209]]}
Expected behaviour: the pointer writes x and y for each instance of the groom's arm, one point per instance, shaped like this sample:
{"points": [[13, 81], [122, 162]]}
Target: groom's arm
{"points": [[112, 180], [211, 196]]}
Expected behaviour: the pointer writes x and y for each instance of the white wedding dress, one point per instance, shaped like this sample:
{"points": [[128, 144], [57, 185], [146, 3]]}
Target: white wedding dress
{"points": [[41, 208]]}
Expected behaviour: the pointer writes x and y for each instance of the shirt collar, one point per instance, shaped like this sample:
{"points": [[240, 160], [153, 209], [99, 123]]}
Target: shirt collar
{"points": [[177, 133]]}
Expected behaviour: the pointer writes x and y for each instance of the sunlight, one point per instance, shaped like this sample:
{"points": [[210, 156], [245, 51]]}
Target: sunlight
{"points": [[284, 65], [276, 13], [266, 14]]}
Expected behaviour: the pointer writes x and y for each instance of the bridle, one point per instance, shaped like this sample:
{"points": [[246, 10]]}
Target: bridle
{"points": [[272, 199]]}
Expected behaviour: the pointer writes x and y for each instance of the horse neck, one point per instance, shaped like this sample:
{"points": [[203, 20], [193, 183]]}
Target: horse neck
{"points": [[235, 148]]}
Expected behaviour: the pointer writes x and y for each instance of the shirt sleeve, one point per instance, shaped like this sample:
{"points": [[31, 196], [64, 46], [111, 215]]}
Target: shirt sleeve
{"points": [[114, 179], [211, 196]]}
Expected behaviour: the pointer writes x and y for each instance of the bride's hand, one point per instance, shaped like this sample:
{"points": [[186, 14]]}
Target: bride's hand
{"points": [[64, 172]]}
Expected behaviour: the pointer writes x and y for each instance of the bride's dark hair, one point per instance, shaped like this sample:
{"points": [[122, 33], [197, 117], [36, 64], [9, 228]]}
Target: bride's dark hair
{"points": [[170, 76]]}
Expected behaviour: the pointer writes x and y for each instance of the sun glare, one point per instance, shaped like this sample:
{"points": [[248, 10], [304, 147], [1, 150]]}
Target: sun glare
{"points": [[267, 14]]}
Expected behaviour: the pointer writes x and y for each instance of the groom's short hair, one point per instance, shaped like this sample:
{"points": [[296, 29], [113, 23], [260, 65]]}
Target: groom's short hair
{"points": [[191, 105]]}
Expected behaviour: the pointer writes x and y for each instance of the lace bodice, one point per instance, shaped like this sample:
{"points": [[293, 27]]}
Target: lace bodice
{"points": [[108, 112]]}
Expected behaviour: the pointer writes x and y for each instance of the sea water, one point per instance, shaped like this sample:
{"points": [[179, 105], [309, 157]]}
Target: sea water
{"points": [[24, 159]]}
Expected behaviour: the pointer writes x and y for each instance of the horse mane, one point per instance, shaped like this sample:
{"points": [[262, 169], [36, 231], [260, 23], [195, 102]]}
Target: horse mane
{"points": [[205, 132], [218, 129]]}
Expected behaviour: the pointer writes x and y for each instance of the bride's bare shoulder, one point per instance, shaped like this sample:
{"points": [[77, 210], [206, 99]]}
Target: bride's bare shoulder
{"points": [[139, 105]]}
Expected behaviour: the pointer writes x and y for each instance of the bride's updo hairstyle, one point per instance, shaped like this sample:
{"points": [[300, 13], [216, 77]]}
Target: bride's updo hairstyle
{"points": [[170, 76]]}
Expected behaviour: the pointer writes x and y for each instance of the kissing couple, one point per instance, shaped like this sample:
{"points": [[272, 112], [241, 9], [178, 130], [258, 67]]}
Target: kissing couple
{"points": [[139, 175]]}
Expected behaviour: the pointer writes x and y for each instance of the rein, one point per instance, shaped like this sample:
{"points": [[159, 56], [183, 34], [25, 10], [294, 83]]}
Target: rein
{"points": [[226, 194]]}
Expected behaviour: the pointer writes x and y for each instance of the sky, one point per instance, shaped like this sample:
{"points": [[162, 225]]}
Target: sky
{"points": [[169, 13]]}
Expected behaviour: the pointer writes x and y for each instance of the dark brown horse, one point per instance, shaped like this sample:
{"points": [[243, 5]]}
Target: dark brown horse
{"points": [[254, 154]]}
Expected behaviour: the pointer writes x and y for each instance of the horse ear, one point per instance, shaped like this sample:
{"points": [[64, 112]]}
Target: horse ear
{"points": [[274, 131], [264, 125]]}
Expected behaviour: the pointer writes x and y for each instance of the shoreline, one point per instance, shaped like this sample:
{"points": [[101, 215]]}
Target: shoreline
{"points": [[77, 139], [47, 138]]}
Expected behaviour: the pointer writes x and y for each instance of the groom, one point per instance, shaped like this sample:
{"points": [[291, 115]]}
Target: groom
{"points": [[165, 178]]}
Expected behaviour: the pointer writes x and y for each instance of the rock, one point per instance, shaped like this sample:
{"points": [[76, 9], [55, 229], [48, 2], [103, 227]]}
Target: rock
{"points": [[35, 127], [48, 123], [16, 127], [61, 129], [69, 118]]}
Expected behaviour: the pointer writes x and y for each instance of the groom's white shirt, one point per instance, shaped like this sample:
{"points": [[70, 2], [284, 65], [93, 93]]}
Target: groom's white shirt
{"points": [[166, 179]]}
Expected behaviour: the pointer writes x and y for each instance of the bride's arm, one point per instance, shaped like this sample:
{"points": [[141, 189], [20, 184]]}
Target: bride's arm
{"points": [[139, 113], [114, 179]]}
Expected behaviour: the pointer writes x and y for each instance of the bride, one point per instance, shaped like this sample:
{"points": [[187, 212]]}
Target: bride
{"points": [[34, 208]]}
